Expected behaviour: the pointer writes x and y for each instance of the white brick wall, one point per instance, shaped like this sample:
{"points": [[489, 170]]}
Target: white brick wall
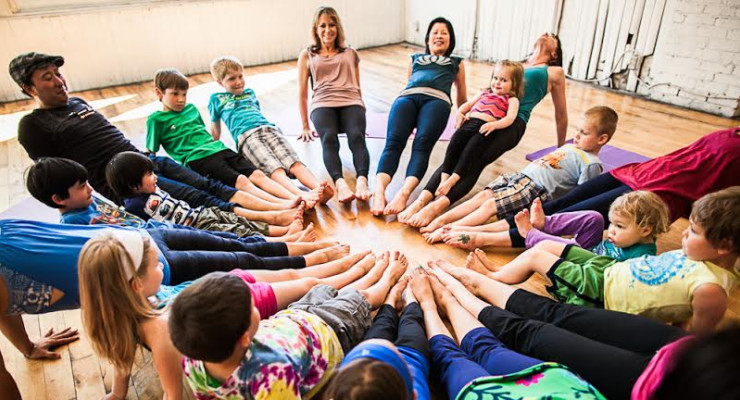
{"points": [[699, 50]]}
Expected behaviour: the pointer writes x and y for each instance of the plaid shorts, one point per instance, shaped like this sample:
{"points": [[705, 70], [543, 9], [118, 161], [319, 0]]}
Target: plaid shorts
{"points": [[515, 192], [267, 148]]}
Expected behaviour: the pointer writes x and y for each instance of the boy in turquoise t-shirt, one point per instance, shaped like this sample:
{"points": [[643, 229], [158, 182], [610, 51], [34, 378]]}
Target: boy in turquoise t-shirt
{"points": [[256, 138], [180, 129]]}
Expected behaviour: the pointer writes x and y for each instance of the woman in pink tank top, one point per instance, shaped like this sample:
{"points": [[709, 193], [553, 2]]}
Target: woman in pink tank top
{"points": [[336, 103]]}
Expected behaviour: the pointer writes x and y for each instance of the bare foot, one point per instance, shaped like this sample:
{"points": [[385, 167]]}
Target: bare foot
{"points": [[444, 187], [434, 237], [397, 204], [425, 216], [285, 217], [394, 298], [334, 252], [399, 265], [327, 192], [483, 258], [465, 276], [378, 203], [523, 224], [472, 262], [344, 192], [422, 290], [412, 209], [434, 225], [294, 203], [537, 217], [362, 191], [442, 295], [408, 295], [295, 226], [312, 197], [308, 234], [462, 240]]}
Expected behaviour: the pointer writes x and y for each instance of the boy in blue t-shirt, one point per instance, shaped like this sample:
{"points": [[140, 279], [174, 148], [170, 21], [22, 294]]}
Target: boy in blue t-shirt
{"points": [[62, 184], [256, 138]]}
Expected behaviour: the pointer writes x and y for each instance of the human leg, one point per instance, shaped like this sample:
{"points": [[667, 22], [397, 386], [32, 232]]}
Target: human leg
{"points": [[353, 123], [460, 211], [326, 121], [318, 271], [586, 227], [431, 122]]}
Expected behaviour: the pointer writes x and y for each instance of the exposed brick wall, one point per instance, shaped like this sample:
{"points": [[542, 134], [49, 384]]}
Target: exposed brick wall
{"points": [[699, 49]]}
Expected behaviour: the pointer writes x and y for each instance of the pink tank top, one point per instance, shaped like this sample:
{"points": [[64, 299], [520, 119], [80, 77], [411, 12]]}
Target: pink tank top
{"points": [[491, 104], [335, 80]]}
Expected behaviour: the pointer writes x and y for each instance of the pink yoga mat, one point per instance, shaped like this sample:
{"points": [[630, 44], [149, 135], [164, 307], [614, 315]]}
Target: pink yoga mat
{"points": [[377, 124], [611, 157]]}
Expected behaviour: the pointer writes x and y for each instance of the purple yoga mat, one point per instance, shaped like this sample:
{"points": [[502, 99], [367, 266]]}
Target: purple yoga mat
{"points": [[377, 124], [611, 157]]}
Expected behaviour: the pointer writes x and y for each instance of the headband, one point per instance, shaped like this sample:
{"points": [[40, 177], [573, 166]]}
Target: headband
{"points": [[133, 243], [385, 354]]}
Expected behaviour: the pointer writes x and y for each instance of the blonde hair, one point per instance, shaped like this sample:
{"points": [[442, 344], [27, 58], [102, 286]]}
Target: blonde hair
{"points": [[605, 119], [517, 76], [331, 13], [111, 310], [222, 65], [645, 208]]}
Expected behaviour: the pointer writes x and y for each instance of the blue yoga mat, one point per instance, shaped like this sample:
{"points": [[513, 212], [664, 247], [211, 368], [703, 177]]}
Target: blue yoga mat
{"points": [[611, 157]]}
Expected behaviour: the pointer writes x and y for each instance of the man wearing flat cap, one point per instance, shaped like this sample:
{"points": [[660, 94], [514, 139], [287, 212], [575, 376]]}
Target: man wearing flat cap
{"points": [[68, 127]]}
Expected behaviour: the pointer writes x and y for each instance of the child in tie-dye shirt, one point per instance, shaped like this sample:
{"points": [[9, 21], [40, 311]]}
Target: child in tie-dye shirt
{"points": [[231, 354]]}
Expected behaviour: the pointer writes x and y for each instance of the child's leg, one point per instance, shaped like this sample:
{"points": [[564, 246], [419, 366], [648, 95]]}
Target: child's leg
{"points": [[325, 255], [524, 265], [587, 227], [268, 185], [482, 214], [317, 271], [306, 177], [376, 293], [281, 218], [300, 249], [375, 273], [287, 292], [458, 212]]}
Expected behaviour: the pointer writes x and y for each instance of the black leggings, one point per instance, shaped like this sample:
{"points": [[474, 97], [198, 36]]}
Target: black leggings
{"points": [[192, 254], [329, 122], [597, 194], [607, 348], [407, 332], [476, 152]]}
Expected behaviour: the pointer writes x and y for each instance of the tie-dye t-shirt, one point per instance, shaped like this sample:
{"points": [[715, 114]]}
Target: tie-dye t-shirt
{"points": [[292, 356]]}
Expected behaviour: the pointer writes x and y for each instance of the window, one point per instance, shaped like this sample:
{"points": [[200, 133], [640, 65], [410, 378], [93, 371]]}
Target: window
{"points": [[41, 6]]}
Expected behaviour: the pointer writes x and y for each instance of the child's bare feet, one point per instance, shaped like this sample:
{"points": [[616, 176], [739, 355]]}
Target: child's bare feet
{"points": [[334, 252], [327, 192], [434, 237], [472, 262], [537, 217], [523, 224], [433, 226], [422, 290], [462, 240], [296, 225], [344, 192], [483, 258], [425, 216], [398, 266], [285, 217], [463, 275], [362, 191], [308, 234]]}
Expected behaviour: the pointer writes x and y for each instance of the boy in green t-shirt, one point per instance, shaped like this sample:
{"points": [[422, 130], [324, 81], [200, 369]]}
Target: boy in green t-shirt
{"points": [[180, 129], [690, 286], [256, 138]]}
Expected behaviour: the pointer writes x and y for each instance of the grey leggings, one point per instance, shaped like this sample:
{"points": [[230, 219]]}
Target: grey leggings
{"points": [[329, 122]]}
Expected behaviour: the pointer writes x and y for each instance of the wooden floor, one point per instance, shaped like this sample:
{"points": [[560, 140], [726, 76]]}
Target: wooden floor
{"points": [[645, 127]]}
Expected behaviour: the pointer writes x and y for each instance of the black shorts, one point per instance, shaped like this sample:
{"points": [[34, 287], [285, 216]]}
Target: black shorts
{"points": [[224, 166]]}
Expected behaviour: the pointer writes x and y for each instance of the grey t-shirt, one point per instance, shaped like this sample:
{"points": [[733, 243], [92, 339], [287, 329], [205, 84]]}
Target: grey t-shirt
{"points": [[563, 169]]}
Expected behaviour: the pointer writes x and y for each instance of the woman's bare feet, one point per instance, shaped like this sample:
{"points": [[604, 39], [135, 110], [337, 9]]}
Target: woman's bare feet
{"points": [[445, 186], [523, 224], [296, 226], [422, 290], [436, 236], [344, 192], [483, 258], [397, 204], [427, 214], [472, 262], [285, 217], [434, 225], [362, 190], [537, 217], [461, 239], [378, 201], [412, 209]]}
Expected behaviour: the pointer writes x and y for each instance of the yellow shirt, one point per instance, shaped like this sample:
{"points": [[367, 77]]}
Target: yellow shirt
{"points": [[661, 287]]}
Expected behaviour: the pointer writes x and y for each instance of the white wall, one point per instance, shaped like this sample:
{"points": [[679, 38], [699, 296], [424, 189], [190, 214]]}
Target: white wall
{"points": [[113, 46]]}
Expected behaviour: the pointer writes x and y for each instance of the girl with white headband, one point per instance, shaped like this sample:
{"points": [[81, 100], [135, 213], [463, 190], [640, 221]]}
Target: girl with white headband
{"points": [[122, 297]]}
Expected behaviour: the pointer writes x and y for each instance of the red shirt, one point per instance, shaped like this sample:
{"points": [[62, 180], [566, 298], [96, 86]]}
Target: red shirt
{"points": [[710, 164]]}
